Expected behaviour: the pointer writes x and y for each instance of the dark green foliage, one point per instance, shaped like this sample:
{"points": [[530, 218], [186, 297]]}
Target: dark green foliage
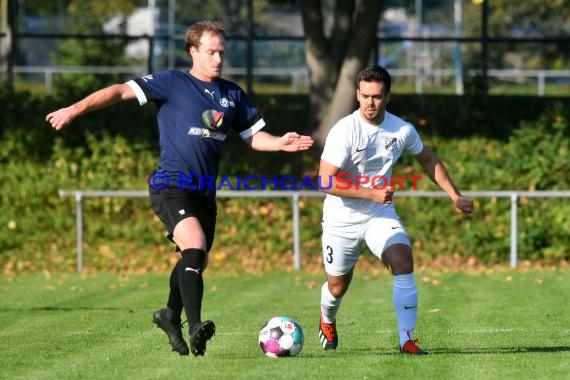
{"points": [[501, 144]]}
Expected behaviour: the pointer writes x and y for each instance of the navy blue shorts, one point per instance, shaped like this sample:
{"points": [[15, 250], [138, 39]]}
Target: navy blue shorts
{"points": [[172, 205]]}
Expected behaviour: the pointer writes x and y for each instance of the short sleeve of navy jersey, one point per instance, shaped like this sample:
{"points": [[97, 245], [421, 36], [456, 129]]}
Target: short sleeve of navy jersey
{"points": [[156, 87], [246, 113]]}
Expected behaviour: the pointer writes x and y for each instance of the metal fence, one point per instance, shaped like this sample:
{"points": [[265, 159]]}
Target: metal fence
{"points": [[299, 76], [514, 196], [416, 68]]}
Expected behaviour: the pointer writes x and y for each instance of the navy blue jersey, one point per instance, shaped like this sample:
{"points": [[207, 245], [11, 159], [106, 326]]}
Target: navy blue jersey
{"points": [[194, 120]]}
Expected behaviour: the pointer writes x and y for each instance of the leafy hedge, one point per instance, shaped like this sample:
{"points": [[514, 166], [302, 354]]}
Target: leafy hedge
{"points": [[495, 144]]}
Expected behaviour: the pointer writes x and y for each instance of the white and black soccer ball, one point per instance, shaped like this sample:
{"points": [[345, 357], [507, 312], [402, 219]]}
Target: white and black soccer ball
{"points": [[281, 337]]}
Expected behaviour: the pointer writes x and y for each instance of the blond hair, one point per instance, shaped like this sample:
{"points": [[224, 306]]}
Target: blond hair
{"points": [[195, 32]]}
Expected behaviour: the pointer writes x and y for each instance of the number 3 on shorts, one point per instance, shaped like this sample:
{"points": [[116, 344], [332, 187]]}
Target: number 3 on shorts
{"points": [[328, 254]]}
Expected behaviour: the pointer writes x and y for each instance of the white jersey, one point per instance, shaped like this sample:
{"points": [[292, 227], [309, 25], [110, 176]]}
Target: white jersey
{"points": [[359, 148]]}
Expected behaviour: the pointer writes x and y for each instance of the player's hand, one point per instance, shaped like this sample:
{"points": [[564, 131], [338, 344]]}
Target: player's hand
{"points": [[464, 204], [383, 195], [293, 142], [60, 118]]}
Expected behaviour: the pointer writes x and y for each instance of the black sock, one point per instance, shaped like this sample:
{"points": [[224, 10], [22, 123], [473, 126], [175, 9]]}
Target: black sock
{"points": [[174, 298], [192, 284]]}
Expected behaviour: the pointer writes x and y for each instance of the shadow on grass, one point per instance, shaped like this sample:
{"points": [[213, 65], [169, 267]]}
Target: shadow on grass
{"points": [[504, 350], [387, 352], [75, 308]]}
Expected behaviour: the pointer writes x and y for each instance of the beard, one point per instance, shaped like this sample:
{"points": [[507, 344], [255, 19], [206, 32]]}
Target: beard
{"points": [[373, 116]]}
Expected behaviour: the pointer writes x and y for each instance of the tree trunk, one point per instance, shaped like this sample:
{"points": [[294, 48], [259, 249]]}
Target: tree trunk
{"points": [[322, 71], [334, 62]]}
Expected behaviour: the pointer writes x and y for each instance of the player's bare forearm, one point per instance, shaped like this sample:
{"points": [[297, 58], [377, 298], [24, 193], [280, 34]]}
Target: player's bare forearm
{"points": [[444, 181], [442, 178], [438, 173], [96, 100], [289, 142]]}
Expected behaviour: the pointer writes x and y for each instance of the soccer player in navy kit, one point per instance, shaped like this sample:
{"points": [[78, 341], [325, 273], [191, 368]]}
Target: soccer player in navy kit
{"points": [[365, 145], [195, 112]]}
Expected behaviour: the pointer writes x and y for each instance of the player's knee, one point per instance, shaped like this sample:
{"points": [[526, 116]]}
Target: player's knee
{"points": [[398, 258], [402, 268], [194, 258], [338, 289]]}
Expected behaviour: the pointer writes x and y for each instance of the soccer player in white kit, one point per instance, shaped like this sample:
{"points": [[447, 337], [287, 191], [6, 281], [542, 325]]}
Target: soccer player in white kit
{"points": [[355, 171]]}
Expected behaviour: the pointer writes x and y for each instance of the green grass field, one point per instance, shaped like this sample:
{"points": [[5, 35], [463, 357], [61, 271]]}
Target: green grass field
{"points": [[501, 325]]}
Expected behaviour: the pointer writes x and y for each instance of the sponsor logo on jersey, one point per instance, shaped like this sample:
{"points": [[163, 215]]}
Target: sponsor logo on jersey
{"points": [[203, 132], [212, 119]]}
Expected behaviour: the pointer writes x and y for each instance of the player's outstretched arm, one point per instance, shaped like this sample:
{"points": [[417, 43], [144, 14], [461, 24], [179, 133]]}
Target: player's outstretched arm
{"points": [[96, 100], [437, 172], [289, 142]]}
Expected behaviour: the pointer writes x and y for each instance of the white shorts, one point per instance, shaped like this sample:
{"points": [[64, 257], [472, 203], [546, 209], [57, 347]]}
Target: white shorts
{"points": [[341, 242]]}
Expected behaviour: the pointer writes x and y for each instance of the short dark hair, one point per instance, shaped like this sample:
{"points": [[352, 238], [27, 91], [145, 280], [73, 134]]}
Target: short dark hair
{"points": [[195, 32], [375, 74]]}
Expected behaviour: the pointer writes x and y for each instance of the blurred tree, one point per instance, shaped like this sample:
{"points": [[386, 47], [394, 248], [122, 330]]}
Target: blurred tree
{"points": [[45, 8], [233, 14], [335, 58], [87, 17], [523, 19], [530, 18]]}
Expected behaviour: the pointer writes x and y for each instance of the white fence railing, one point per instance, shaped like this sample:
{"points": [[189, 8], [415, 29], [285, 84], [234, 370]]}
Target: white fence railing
{"points": [[299, 76], [295, 195]]}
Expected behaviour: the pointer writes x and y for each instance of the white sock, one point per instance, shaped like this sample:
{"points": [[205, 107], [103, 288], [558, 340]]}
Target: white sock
{"points": [[406, 305], [329, 304]]}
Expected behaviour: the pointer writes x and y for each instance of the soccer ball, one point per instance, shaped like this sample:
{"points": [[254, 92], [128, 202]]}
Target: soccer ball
{"points": [[280, 337]]}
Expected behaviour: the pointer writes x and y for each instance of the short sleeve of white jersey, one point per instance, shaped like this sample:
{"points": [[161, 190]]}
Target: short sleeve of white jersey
{"points": [[337, 150], [414, 143]]}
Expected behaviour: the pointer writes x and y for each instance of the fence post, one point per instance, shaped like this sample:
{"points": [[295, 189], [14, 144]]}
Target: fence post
{"points": [[79, 229], [541, 80], [48, 81], [514, 229], [296, 233]]}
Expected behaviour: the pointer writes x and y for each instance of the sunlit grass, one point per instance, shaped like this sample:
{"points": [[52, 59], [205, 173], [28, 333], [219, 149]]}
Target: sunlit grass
{"points": [[494, 325]]}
